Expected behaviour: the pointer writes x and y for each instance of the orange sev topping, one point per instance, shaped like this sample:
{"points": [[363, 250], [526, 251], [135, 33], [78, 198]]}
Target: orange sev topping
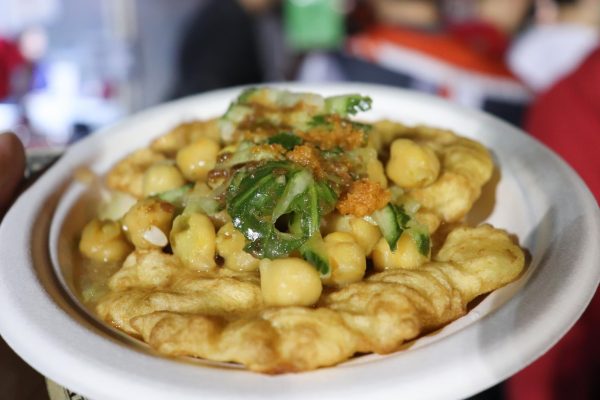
{"points": [[308, 157], [338, 133], [363, 198]]}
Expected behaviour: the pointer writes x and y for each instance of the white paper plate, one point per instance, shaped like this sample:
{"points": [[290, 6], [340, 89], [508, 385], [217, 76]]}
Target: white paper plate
{"points": [[539, 198]]}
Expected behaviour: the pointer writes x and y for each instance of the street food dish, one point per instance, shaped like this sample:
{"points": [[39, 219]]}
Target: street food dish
{"points": [[286, 236], [532, 194]]}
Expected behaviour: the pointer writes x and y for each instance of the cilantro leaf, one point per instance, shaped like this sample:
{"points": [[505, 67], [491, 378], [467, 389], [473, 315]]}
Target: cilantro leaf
{"points": [[259, 199]]}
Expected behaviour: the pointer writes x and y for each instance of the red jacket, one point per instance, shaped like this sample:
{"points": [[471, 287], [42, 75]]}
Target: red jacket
{"points": [[10, 60], [567, 119]]}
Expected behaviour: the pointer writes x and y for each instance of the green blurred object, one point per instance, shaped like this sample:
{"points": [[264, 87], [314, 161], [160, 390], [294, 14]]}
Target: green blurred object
{"points": [[314, 24]]}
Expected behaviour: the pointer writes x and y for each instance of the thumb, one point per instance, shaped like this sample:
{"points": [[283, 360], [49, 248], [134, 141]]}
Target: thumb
{"points": [[12, 168]]}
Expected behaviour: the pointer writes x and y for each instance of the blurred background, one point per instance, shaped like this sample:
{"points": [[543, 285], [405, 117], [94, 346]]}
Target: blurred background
{"points": [[69, 67]]}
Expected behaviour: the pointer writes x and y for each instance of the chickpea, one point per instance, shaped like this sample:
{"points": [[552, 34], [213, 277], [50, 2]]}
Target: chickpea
{"points": [[171, 142], [406, 255], [428, 219], [230, 246], [289, 282], [160, 178], [148, 222], [364, 233], [376, 172], [412, 165], [193, 241], [230, 148], [346, 259], [196, 159], [104, 241]]}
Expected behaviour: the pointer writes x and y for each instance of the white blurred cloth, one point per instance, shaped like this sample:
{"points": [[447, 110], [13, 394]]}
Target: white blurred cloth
{"points": [[546, 53]]}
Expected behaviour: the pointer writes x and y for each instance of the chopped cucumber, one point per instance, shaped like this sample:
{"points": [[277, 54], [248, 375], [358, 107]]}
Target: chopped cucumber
{"points": [[393, 220], [177, 196], [387, 220], [420, 235], [298, 183], [247, 152], [205, 205], [314, 251], [347, 104]]}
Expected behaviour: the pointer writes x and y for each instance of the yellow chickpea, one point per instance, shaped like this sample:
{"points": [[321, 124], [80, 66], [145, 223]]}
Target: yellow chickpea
{"points": [[196, 159], [376, 172], [193, 241], [231, 148], [289, 282], [412, 165], [230, 246], [104, 241], [346, 259], [364, 233], [148, 223], [160, 178], [406, 255]]}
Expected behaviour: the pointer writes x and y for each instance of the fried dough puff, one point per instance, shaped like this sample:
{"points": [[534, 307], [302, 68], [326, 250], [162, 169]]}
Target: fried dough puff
{"points": [[128, 175], [151, 280], [190, 314]]}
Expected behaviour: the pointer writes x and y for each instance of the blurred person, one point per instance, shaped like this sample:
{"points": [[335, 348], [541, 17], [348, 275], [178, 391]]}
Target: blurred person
{"points": [[11, 62], [566, 32], [33, 44], [411, 45], [224, 46], [489, 26], [567, 119], [219, 49]]}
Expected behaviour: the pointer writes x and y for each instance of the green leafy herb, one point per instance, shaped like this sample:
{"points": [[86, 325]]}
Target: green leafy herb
{"points": [[347, 104], [286, 139], [319, 120], [278, 207], [332, 153]]}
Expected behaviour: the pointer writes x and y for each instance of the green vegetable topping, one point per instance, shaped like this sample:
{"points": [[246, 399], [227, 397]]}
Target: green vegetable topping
{"points": [[276, 203], [245, 95], [314, 251], [393, 220], [278, 207], [177, 196], [347, 104], [248, 151], [319, 120], [286, 139]]}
